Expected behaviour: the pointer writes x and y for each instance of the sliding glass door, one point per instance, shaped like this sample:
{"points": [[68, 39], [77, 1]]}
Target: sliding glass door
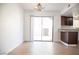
{"points": [[41, 28], [36, 28]]}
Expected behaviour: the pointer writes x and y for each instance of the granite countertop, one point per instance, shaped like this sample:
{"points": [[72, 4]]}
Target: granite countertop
{"points": [[68, 29]]}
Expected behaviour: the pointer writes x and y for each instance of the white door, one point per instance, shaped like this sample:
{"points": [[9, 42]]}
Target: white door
{"points": [[41, 28]]}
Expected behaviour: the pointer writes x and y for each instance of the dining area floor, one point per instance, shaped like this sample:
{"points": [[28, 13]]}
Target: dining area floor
{"points": [[45, 48]]}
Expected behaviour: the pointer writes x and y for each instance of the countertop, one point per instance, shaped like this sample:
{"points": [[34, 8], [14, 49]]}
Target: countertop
{"points": [[68, 29]]}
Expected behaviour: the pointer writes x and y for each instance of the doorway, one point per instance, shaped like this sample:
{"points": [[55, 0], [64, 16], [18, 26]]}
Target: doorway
{"points": [[41, 28]]}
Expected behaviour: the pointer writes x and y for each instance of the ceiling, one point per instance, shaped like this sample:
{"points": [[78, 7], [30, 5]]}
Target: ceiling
{"points": [[68, 13], [47, 6], [71, 10]]}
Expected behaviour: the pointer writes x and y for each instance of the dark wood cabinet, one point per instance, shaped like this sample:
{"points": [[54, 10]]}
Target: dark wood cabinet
{"points": [[66, 20], [72, 37], [69, 37], [63, 20], [64, 37]]}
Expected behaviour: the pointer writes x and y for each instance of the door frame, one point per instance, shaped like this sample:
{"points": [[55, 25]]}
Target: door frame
{"points": [[31, 35]]}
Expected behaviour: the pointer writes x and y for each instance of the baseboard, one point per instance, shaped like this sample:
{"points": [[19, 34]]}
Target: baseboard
{"points": [[28, 41], [68, 44], [37, 41]]}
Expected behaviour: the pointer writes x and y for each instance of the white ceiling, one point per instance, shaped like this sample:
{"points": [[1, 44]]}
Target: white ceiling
{"points": [[47, 6], [68, 13]]}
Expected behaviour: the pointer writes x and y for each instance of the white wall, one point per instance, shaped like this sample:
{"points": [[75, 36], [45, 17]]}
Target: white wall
{"points": [[11, 27], [27, 24], [75, 11]]}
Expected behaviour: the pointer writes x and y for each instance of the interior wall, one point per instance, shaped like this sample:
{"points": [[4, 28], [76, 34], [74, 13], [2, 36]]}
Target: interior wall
{"points": [[75, 12], [11, 27], [27, 24]]}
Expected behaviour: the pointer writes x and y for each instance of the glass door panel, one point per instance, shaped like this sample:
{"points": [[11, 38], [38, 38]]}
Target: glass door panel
{"points": [[36, 28], [41, 28], [47, 28]]}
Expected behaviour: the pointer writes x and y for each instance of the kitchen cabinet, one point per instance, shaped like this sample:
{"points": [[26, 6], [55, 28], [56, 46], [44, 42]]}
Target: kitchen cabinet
{"points": [[64, 37], [66, 21], [69, 37]]}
